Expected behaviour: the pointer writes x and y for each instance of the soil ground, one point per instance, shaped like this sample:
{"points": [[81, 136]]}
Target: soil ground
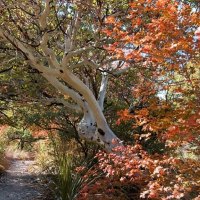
{"points": [[19, 184]]}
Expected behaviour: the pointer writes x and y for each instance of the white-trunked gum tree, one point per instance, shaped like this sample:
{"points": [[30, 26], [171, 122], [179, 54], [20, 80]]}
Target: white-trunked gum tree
{"points": [[60, 39]]}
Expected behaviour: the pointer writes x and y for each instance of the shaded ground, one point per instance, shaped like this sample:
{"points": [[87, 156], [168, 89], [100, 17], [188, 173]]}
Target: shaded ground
{"points": [[19, 184]]}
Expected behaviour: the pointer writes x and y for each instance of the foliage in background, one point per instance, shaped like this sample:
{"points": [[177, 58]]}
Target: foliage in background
{"points": [[3, 145], [3, 141]]}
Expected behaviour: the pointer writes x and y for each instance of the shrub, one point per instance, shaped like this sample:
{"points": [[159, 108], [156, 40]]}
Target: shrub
{"points": [[132, 173], [3, 141], [23, 136]]}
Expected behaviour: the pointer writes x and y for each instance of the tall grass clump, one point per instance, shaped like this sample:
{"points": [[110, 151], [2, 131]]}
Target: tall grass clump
{"points": [[70, 174], [68, 183]]}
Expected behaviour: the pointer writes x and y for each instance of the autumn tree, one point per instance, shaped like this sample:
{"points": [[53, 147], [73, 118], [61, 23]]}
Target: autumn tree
{"points": [[161, 39]]}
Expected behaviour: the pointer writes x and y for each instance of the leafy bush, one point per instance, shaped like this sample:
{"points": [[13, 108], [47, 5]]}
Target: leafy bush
{"points": [[2, 149], [23, 136], [132, 173], [3, 141]]}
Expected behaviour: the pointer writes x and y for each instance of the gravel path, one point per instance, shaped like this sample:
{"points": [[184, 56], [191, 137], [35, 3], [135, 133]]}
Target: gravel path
{"points": [[19, 184]]}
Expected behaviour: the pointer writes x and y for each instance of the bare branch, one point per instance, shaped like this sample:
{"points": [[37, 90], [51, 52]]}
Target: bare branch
{"points": [[91, 63], [122, 70], [102, 90], [49, 53], [65, 90], [6, 70], [76, 25], [29, 54], [44, 15], [65, 103], [70, 54]]}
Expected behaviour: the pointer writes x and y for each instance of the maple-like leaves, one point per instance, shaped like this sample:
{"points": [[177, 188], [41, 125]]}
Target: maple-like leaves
{"points": [[160, 38], [160, 28], [150, 176]]}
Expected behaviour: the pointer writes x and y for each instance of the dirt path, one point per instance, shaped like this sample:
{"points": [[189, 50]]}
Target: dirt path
{"points": [[19, 184]]}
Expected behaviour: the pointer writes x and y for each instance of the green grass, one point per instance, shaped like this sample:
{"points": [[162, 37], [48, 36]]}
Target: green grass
{"points": [[68, 183]]}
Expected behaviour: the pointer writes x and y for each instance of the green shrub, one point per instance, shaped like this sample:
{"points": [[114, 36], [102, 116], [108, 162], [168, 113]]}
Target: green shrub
{"points": [[2, 144], [23, 136], [2, 148], [2, 152]]}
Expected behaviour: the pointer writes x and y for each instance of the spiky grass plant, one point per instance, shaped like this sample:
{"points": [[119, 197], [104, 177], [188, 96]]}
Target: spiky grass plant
{"points": [[68, 182]]}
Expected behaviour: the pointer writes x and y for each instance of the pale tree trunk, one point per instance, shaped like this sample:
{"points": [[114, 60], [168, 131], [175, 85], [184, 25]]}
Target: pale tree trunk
{"points": [[59, 74], [93, 126]]}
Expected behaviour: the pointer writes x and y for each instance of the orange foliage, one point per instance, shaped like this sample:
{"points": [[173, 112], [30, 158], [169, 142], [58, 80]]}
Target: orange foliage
{"points": [[160, 37], [40, 133], [163, 44], [3, 129], [157, 177]]}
